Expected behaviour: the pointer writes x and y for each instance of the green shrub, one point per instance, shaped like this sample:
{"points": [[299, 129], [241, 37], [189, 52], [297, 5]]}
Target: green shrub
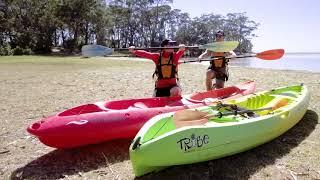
{"points": [[18, 51], [27, 51], [1, 51], [5, 50], [22, 51]]}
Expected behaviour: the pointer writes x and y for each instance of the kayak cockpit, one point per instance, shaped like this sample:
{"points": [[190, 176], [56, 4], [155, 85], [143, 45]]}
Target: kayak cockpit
{"points": [[83, 109], [143, 103], [215, 94]]}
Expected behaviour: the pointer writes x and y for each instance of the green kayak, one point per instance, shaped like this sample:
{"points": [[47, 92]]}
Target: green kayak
{"points": [[216, 131]]}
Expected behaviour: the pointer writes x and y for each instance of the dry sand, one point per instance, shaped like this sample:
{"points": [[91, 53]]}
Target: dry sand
{"points": [[32, 87]]}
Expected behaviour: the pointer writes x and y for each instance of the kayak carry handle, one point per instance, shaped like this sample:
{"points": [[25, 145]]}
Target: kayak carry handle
{"points": [[136, 143]]}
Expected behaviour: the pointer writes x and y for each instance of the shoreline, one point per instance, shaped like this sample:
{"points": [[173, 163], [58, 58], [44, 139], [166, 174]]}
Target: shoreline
{"points": [[289, 70], [207, 64]]}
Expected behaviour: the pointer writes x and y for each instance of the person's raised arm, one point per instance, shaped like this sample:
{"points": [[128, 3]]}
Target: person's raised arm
{"points": [[231, 54], [203, 55], [144, 54], [181, 50]]}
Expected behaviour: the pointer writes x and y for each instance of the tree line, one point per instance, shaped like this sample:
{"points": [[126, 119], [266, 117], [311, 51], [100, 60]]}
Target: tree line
{"points": [[33, 26]]}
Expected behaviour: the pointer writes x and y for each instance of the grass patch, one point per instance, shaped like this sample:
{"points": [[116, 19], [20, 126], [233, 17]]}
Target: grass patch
{"points": [[72, 60]]}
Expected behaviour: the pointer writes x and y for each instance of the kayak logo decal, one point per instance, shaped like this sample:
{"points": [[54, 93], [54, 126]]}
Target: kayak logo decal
{"points": [[193, 142], [80, 122]]}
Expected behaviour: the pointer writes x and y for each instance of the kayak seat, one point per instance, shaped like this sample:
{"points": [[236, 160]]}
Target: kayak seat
{"points": [[140, 105]]}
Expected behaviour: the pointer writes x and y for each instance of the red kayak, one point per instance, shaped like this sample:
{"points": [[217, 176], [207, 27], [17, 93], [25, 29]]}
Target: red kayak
{"points": [[107, 120]]}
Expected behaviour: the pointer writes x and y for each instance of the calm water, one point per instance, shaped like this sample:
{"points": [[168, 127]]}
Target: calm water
{"points": [[305, 62]]}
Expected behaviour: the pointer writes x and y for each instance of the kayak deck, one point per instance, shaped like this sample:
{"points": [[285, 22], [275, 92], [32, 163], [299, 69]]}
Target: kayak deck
{"points": [[264, 100]]}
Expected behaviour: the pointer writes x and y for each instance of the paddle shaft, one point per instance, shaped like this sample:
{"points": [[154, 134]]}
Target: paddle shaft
{"points": [[216, 58], [236, 112], [99, 50], [155, 48], [265, 55]]}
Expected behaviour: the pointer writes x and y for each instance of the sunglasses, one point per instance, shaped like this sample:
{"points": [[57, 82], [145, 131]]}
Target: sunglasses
{"points": [[171, 44], [219, 35]]}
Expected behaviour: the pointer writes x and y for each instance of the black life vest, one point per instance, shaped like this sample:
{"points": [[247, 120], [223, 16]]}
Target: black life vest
{"points": [[220, 66], [166, 69], [218, 63]]}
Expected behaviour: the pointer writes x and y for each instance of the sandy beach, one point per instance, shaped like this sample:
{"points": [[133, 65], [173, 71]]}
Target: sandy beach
{"points": [[32, 87]]}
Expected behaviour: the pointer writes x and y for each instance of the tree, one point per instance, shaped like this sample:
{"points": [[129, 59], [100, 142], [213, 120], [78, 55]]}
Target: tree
{"points": [[240, 28], [40, 25]]}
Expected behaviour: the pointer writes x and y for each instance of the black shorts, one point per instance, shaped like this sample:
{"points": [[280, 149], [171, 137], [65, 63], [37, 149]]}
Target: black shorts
{"points": [[220, 73], [163, 92]]}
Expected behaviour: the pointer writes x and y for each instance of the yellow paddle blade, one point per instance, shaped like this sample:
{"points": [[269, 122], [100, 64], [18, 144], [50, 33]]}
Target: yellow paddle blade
{"points": [[223, 46]]}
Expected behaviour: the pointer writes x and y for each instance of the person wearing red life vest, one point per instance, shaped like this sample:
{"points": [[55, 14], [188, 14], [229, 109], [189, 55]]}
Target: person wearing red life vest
{"points": [[166, 71]]}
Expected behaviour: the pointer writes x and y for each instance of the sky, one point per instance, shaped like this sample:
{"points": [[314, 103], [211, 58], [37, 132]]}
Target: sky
{"points": [[293, 25]]}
